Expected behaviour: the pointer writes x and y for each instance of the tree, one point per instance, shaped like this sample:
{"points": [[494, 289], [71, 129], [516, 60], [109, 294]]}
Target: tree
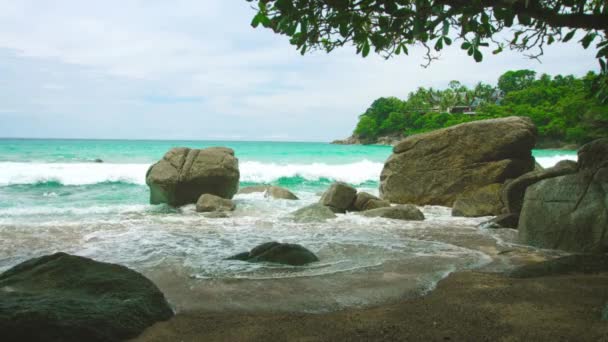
{"points": [[516, 80], [390, 26]]}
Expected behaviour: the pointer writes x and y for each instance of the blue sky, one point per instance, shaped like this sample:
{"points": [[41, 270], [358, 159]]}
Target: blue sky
{"points": [[191, 69]]}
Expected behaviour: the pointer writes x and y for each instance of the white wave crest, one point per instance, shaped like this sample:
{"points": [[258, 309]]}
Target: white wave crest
{"points": [[550, 161], [12, 173], [354, 173]]}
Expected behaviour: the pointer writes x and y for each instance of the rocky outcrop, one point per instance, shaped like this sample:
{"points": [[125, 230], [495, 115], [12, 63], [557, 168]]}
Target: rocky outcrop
{"points": [[365, 201], [484, 201], [436, 167], [63, 297], [184, 174], [514, 191], [271, 191], [313, 213], [281, 253], [407, 212], [570, 212], [563, 265], [209, 203], [388, 140], [339, 197]]}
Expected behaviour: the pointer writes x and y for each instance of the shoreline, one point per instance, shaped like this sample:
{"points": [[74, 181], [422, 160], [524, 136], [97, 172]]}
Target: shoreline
{"points": [[465, 306]]}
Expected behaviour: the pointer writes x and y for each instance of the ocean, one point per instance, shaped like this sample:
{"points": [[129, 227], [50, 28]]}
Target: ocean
{"points": [[55, 197]]}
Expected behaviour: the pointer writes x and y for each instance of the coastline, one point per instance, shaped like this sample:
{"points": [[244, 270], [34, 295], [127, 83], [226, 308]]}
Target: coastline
{"points": [[465, 306]]}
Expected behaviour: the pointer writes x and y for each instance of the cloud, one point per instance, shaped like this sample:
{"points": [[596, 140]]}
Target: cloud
{"points": [[196, 70]]}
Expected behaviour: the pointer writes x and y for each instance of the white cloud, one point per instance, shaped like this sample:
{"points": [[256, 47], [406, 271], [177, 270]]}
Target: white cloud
{"points": [[94, 69]]}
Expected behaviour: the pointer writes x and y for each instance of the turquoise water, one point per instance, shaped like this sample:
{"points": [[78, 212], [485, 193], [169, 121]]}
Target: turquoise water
{"points": [[53, 197]]}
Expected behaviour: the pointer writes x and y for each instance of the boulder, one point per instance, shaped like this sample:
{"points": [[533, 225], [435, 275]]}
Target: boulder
{"points": [[564, 265], [277, 192], [281, 253], [365, 201], [253, 189], [502, 221], [208, 203], [62, 297], [407, 212], [570, 212], [339, 197], [484, 201], [436, 167], [313, 213], [184, 174], [514, 191]]}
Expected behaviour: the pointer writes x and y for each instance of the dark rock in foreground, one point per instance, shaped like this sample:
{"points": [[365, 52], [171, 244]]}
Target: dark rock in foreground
{"points": [[583, 263], [570, 212], [184, 174], [436, 167], [61, 297], [313, 213], [281, 253], [407, 212]]}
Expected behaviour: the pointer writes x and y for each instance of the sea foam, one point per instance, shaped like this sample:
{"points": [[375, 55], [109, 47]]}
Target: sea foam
{"points": [[550, 161], [12, 173]]}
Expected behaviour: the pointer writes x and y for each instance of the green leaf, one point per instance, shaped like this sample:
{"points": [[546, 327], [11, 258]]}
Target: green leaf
{"points": [[569, 36], [256, 20], [447, 41], [478, 56], [446, 27], [587, 39], [465, 45], [439, 44], [365, 49]]}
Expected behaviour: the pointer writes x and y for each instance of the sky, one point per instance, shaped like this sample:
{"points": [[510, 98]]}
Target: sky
{"points": [[191, 69]]}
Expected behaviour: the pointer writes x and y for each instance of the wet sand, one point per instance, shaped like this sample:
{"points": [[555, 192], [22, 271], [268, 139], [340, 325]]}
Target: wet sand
{"points": [[465, 306]]}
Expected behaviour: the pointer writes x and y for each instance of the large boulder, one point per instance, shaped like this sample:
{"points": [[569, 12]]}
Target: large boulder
{"points": [[436, 167], [209, 203], [365, 201], [62, 297], [339, 197], [484, 201], [316, 212], [406, 212], [514, 191], [281, 253], [570, 212], [184, 174]]}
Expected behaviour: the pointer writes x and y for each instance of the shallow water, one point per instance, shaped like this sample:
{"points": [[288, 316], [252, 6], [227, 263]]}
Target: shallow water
{"points": [[52, 200]]}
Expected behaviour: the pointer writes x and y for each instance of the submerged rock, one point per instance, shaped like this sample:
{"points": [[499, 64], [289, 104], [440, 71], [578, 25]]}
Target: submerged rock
{"points": [[570, 212], [339, 197], [313, 213], [272, 191], [569, 264], [208, 202], [184, 174], [253, 189], [62, 297], [98, 160], [365, 201], [484, 201], [408, 212], [436, 167], [281, 253], [502, 221]]}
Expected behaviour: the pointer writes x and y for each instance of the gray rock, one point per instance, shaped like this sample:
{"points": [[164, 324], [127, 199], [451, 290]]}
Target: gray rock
{"points": [[514, 191], [277, 192], [208, 202], [569, 212], [365, 201], [407, 212], [63, 297], [484, 201], [563, 265], [253, 189], [184, 174], [594, 155], [340, 196], [437, 167], [313, 213], [282, 253]]}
